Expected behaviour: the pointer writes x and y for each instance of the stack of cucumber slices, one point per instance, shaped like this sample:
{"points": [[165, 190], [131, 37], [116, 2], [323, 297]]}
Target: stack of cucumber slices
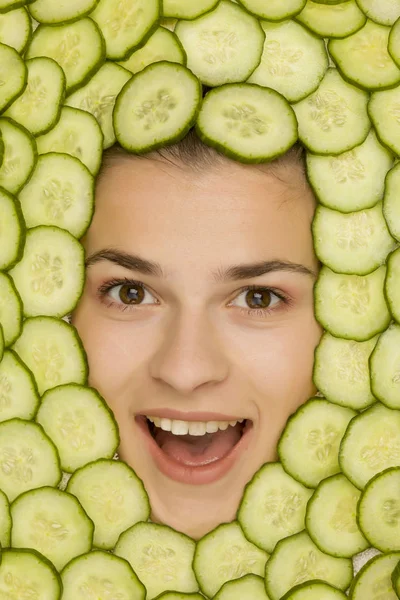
{"points": [[253, 77]]}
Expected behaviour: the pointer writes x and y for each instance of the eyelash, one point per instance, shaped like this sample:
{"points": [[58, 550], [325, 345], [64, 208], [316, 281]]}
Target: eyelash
{"points": [[260, 312]]}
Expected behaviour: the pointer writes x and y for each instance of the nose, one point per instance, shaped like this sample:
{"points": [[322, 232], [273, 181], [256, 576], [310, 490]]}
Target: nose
{"points": [[190, 353]]}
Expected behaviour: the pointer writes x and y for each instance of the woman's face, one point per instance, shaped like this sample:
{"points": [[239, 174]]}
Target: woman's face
{"points": [[191, 343]]}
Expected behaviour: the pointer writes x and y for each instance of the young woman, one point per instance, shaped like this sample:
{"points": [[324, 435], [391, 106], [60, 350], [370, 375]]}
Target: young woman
{"points": [[197, 318]]}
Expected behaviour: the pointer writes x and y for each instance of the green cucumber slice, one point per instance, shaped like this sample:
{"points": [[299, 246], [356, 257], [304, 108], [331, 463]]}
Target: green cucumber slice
{"points": [[160, 556], [19, 396], [113, 496], [248, 586], [7, 5], [47, 11], [352, 307], [2, 345], [60, 193], [53, 351], [273, 506], [384, 12], [314, 590], [179, 596], [225, 554], [162, 45], [379, 511], [52, 523], [12, 231], [384, 112], [309, 445], [28, 574], [297, 560], [363, 57], [28, 458], [294, 61], [353, 180], [356, 243], [331, 518], [99, 95], [391, 205], [374, 579], [223, 46], [5, 525], [247, 122], [341, 371], [334, 118], [39, 107], [10, 309], [16, 29], [51, 275], [332, 21], [13, 76], [20, 156], [392, 289], [274, 10], [370, 444], [78, 48], [384, 367], [100, 575], [127, 28], [181, 9], [158, 106]]}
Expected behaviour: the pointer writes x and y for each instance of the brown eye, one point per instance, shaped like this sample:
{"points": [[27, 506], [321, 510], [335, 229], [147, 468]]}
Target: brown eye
{"points": [[258, 298], [131, 294]]}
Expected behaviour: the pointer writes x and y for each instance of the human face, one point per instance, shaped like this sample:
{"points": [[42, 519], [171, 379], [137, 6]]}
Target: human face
{"points": [[192, 346]]}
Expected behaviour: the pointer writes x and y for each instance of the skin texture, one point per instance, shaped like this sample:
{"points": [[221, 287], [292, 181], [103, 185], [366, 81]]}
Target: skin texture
{"points": [[189, 343]]}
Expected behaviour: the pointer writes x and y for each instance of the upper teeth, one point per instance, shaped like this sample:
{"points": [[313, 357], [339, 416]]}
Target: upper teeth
{"points": [[192, 427]]}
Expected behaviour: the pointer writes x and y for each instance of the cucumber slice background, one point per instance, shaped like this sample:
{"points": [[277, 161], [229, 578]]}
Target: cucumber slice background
{"points": [[28, 573], [46, 11], [334, 21]]}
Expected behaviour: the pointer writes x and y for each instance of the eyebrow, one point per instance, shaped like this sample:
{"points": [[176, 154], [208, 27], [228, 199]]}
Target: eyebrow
{"points": [[134, 262]]}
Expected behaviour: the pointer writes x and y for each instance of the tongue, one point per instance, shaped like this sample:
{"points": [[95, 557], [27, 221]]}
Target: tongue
{"points": [[198, 450]]}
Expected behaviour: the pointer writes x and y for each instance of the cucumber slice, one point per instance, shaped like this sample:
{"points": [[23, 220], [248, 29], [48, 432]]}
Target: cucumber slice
{"points": [[334, 118], [308, 447], [182, 9], [370, 444], [341, 371], [273, 507], [80, 424], [47, 11], [379, 511], [294, 61], [113, 496], [392, 289], [374, 579], [39, 107], [332, 21], [51, 275], [391, 207], [13, 76], [10, 309], [351, 181], [223, 555], [127, 28], [274, 10], [363, 57], [12, 231], [384, 365], [16, 29], [248, 586], [384, 111], [19, 395], [28, 459], [100, 575], [356, 243], [20, 156], [78, 48], [60, 194], [7, 5], [5, 525], [52, 523], [77, 133], [394, 40], [247, 122], [2, 345], [297, 560], [98, 97], [314, 590], [384, 12], [179, 596], [331, 518], [352, 307], [160, 556], [163, 45], [28, 574], [53, 351], [223, 46], [158, 106]]}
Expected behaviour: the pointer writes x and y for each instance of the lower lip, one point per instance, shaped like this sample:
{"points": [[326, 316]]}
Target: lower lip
{"points": [[193, 475]]}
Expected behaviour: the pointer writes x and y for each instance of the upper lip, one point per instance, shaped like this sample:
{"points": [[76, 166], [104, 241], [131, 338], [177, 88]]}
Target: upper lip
{"points": [[168, 413]]}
